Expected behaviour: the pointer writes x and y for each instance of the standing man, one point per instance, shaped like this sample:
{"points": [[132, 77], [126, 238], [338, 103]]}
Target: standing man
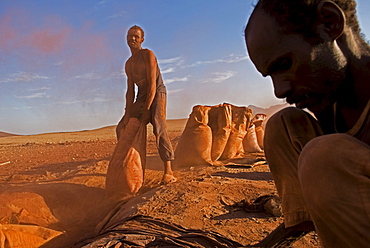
{"points": [[150, 104], [317, 59]]}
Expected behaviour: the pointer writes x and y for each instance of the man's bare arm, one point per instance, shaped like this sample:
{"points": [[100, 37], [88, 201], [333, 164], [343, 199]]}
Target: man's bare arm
{"points": [[130, 92], [151, 64]]}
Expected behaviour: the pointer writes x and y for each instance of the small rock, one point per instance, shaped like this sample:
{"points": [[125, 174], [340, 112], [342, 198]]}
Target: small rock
{"points": [[273, 206]]}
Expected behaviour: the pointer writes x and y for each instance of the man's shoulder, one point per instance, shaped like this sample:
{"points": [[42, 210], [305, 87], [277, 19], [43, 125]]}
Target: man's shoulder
{"points": [[147, 55], [128, 61], [146, 52]]}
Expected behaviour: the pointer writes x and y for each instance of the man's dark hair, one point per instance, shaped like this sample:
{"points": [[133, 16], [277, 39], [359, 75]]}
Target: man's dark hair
{"points": [[297, 16], [137, 27]]}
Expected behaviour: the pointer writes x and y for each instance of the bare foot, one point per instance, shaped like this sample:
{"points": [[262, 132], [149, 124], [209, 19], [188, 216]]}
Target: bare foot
{"points": [[168, 178]]}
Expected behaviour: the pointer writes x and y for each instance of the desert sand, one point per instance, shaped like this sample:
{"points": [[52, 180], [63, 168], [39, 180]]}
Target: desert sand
{"points": [[54, 183]]}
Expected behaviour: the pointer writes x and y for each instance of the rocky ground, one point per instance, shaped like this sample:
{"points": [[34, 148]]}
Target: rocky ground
{"points": [[56, 182]]}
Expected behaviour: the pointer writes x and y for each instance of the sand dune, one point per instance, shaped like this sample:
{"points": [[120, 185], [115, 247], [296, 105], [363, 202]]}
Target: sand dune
{"points": [[4, 134]]}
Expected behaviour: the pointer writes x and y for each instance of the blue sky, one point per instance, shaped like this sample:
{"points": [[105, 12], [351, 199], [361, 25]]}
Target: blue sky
{"points": [[61, 60]]}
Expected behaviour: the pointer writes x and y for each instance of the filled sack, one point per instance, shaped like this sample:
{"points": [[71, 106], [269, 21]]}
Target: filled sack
{"points": [[241, 118], [220, 117], [258, 121], [194, 146], [250, 143], [126, 169], [260, 134]]}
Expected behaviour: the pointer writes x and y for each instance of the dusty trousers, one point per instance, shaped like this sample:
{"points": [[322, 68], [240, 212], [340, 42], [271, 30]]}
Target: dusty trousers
{"points": [[323, 178], [158, 120]]}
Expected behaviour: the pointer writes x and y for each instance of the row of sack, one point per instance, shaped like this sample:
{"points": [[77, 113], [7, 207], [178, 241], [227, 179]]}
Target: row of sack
{"points": [[216, 133]]}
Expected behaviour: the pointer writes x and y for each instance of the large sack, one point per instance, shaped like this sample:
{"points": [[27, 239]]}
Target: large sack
{"points": [[250, 143], [194, 147], [241, 118], [258, 121], [126, 169], [30, 236], [260, 133], [220, 118]]}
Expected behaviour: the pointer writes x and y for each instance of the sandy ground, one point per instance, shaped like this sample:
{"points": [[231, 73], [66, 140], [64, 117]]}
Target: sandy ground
{"points": [[57, 181]]}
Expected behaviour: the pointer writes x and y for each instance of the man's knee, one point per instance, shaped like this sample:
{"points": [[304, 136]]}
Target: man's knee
{"points": [[325, 149], [320, 165]]}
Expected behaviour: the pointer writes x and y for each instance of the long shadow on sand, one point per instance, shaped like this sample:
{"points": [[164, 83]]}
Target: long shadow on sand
{"points": [[240, 214], [254, 175], [64, 167]]}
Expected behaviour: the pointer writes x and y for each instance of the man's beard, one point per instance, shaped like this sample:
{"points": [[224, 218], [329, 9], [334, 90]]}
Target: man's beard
{"points": [[319, 102], [333, 92]]}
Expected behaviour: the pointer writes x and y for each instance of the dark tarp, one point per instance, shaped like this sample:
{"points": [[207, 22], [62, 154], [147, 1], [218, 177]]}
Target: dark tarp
{"points": [[145, 231]]}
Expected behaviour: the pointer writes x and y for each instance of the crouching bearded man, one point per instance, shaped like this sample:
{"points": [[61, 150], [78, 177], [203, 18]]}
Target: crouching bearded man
{"points": [[317, 59]]}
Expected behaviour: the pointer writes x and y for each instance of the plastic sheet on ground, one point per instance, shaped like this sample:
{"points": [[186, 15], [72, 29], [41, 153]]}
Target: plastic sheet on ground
{"points": [[144, 231]]}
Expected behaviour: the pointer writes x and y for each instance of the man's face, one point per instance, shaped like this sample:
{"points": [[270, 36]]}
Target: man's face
{"points": [[134, 38], [306, 75]]}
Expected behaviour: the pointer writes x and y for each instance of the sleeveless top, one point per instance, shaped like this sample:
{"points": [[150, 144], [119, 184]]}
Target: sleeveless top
{"points": [[361, 130], [140, 78]]}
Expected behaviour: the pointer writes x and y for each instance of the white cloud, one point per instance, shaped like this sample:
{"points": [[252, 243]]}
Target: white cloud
{"points": [[70, 102], [23, 77], [42, 88], [232, 58], [88, 76], [118, 74], [58, 63], [170, 65], [114, 16], [96, 99], [19, 108], [97, 6], [36, 95], [176, 79], [168, 70], [100, 4], [169, 61], [219, 77], [174, 91]]}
